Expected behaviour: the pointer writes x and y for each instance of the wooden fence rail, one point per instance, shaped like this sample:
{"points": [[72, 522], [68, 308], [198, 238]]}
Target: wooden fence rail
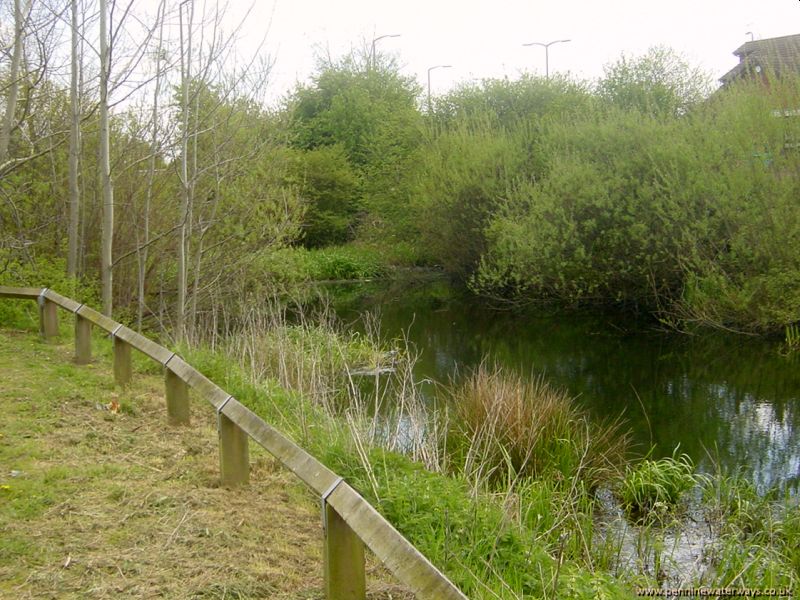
{"points": [[349, 521]]}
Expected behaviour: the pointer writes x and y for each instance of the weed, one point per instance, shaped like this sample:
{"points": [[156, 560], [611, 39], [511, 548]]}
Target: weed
{"points": [[792, 338], [653, 489], [505, 426]]}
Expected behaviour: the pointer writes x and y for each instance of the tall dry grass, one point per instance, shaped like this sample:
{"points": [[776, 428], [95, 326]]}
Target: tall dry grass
{"points": [[506, 427], [356, 378]]}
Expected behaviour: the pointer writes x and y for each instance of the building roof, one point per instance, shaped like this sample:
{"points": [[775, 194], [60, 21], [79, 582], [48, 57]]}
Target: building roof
{"points": [[774, 55]]}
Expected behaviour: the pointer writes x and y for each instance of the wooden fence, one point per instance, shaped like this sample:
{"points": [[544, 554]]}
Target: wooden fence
{"points": [[349, 521]]}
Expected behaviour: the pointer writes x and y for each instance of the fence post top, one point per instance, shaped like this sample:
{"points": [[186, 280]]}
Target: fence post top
{"points": [[40, 298], [221, 406], [166, 362], [324, 501]]}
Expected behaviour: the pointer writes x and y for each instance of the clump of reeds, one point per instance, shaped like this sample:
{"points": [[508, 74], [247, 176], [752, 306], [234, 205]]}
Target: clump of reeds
{"points": [[653, 489], [504, 426]]}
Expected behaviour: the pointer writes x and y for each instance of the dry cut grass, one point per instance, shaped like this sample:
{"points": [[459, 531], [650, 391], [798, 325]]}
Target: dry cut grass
{"points": [[100, 504]]}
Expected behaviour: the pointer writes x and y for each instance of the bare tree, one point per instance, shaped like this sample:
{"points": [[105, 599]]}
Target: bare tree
{"points": [[74, 142], [104, 167], [186, 181], [143, 247], [21, 12]]}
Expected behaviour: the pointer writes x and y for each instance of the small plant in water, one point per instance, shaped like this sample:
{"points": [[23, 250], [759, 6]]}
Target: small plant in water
{"points": [[792, 338], [652, 489], [504, 426]]}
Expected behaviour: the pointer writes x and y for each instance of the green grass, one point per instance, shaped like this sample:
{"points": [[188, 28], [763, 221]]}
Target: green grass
{"points": [[334, 263], [653, 489], [473, 535], [132, 507], [528, 532]]}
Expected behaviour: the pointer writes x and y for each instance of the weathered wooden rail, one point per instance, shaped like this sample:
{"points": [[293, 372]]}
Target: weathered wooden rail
{"points": [[349, 521]]}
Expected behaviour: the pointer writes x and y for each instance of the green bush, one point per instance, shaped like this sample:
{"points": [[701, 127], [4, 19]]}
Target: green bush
{"points": [[296, 265], [330, 188], [41, 273], [465, 173], [692, 217]]}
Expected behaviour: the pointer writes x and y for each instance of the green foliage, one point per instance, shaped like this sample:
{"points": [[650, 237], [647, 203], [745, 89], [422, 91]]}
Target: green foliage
{"points": [[371, 112], [39, 273], [653, 489], [297, 264], [484, 140], [792, 337], [602, 224], [484, 550], [465, 173], [330, 187], [659, 82], [510, 104], [679, 215], [359, 121], [758, 533], [346, 262]]}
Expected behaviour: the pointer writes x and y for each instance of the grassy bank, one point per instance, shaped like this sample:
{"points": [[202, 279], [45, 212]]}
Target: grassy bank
{"points": [[100, 499], [501, 482], [504, 484]]}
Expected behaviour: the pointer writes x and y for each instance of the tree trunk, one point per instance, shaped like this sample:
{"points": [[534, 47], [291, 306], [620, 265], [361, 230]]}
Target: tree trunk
{"points": [[13, 86], [74, 148], [186, 187], [105, 168], [151, 170]]}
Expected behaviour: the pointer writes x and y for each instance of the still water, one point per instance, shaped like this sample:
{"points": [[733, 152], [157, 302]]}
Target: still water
{"points": [[725, 399]]}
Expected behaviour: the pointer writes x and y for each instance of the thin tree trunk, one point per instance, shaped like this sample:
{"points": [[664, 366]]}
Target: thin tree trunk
{"points": [[186, 200], [105, 168], [74, 148], [13, 85], [198, 246], [151, 169]]}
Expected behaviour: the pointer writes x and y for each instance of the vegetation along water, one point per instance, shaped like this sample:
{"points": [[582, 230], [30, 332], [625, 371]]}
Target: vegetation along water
{"points": [[616, 397]]}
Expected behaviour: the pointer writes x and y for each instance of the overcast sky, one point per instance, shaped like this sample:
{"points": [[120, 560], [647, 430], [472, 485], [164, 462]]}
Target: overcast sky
{"points": [[483, 38]]}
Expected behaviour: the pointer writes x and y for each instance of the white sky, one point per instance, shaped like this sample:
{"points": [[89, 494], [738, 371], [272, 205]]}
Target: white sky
{"points": [[483, 38]]}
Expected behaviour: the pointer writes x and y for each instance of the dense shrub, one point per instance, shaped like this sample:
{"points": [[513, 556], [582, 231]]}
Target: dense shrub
{"points": [[692, 216]]}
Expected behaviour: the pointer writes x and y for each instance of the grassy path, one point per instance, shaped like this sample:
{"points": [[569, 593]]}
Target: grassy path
{"points": [[98, 504]]}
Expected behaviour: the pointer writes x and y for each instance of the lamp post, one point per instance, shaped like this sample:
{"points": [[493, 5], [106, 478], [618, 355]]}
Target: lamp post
{"points": [[380, 37], [547, 53], [429, 81]]}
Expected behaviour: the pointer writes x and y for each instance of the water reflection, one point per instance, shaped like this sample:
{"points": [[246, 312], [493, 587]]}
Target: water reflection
{"points": [[734, 398]]}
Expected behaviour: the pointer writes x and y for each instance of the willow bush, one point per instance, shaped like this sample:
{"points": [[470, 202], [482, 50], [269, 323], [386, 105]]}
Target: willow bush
{"points": [[692, 217]]}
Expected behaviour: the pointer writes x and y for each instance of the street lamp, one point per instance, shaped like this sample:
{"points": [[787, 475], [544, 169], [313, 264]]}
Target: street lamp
{"points": [[547, 53], [380, 37], [429, 81]]}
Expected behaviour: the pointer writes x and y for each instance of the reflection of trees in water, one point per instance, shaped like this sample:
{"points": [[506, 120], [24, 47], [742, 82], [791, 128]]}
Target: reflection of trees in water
{"points": [[733, 397]]}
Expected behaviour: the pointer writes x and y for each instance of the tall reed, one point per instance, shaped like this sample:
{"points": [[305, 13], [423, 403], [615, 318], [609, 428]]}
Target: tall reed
{"points": [[506, 426]]}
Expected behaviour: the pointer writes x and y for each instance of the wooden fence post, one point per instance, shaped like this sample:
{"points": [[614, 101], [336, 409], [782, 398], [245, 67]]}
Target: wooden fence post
{"points": [[177, 393], [122, 360], [234, 453], [48, 318], [83, 340], [345, 577]]}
